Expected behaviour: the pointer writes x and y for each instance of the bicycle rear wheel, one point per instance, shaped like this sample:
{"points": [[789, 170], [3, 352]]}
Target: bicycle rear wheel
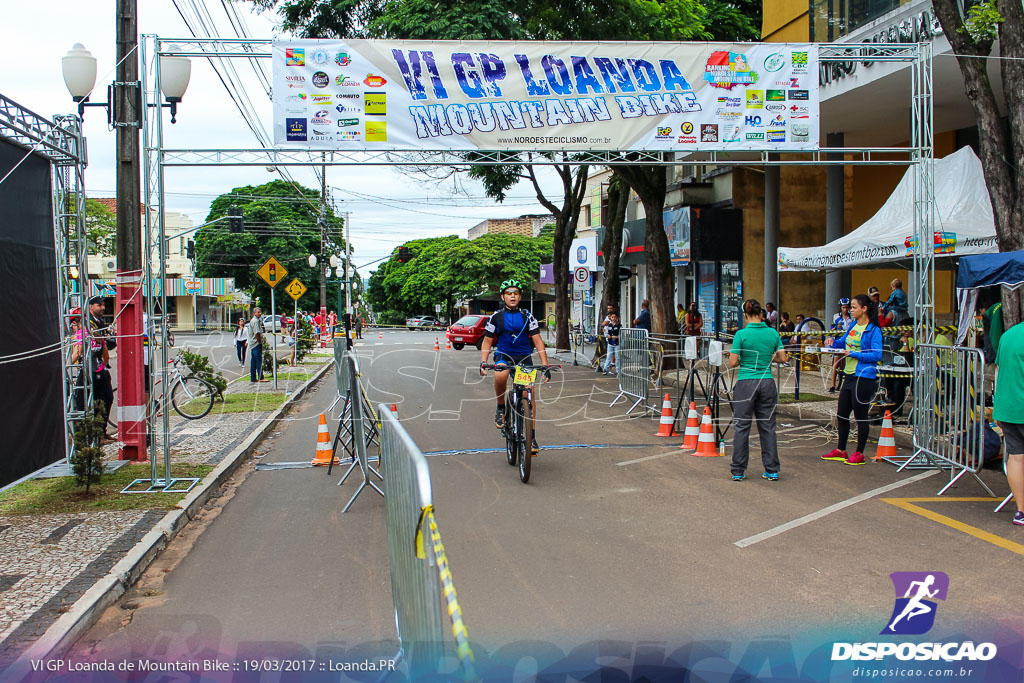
{"points": [[192, 398], [509, 432], [525, 440]]}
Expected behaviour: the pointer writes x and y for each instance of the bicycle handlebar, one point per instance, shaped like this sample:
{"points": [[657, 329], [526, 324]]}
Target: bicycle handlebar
{"points": [[494, 366]]}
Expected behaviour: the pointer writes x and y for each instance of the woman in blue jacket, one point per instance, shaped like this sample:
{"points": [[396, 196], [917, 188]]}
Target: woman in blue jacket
{"points": [[862, 349]]}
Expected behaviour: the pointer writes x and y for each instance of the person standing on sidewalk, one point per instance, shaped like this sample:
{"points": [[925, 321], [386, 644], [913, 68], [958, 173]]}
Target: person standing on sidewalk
{"points": [[102, 343], [256, 335], [1008, 410], [694, 323], [643, 321], [862, 349], [611, 334], [241, 340], [755, 395]]}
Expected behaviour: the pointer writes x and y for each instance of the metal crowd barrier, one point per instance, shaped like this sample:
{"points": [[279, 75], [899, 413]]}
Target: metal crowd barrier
{"points": [[419, 566], [634, 370], [949, 411], [354, 430], [341, 373]]}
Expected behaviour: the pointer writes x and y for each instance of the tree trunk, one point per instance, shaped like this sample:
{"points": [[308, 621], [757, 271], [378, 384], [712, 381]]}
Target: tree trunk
{"points": [[1000, 148], [650, 184], [611, 245]]}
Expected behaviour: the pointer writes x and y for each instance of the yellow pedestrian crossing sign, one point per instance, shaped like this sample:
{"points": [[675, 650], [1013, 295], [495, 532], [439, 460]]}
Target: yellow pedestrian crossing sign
{"points": [[272, 272], [295, 289]]}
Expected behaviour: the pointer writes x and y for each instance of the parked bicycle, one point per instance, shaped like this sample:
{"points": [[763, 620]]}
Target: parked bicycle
{"points": [[191, 396], [520, 414]]}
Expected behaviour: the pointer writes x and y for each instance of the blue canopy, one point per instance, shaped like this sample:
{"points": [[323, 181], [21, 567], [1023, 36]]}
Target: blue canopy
{"points": [[985, 270]]}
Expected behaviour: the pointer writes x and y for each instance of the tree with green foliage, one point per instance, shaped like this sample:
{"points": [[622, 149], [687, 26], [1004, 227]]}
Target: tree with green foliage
{"points": [[1000, 136], [87, 460], [281, 220], [201, 366]]}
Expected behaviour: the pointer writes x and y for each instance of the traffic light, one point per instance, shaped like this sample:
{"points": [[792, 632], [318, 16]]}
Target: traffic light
{"points": [[235, 222], [273, 272], [404, 255], [190, 250]]}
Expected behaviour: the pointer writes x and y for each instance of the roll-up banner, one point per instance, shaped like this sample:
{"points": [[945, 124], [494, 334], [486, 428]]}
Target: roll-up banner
{"points": [[543, 96]]}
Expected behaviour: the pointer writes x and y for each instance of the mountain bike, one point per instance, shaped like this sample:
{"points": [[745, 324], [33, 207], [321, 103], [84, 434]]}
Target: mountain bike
{"points": [[519, 414], [191, 396]]}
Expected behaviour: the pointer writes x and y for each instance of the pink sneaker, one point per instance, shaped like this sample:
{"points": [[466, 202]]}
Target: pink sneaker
{"points": [[855, 459], [835, 455]]}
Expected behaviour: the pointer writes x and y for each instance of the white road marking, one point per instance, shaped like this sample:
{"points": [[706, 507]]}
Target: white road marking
{"points": [[800, 521], [650, 457]]}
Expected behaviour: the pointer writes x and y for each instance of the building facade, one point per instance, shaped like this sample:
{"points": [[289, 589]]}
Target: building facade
{"points": [[528, 225]]}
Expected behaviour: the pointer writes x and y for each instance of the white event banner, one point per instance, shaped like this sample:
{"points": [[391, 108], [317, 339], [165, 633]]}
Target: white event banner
{"points": [[508, 95]]}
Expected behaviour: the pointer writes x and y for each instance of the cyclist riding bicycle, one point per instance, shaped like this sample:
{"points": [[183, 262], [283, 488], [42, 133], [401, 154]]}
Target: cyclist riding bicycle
{"points": [[513, 333]]}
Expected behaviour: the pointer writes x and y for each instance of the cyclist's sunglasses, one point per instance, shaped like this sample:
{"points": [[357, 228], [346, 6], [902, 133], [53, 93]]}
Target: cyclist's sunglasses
{"points": [[512, 290]]}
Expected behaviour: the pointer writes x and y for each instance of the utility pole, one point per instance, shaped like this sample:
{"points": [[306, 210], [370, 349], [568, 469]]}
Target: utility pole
{"points": [[131, 412], [348, 280], [324, 265]]}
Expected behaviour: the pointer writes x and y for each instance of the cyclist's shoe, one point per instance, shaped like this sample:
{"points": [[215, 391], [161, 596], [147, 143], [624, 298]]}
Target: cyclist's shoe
{"points": [[836, 454], [770, 476], [499, 417], [855, 459], [1018, 518], [534, 448], [739, 477]]}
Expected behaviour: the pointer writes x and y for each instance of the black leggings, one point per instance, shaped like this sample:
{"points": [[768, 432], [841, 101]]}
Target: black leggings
{"points": [[855, 396]]}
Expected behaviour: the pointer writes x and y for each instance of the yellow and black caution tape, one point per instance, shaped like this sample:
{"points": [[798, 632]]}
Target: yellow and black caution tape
{"points": [[463, 650], [887, 331]]}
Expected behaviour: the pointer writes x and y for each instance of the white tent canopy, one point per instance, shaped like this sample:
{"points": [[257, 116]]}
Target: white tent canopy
{"points": [[963, 214]]}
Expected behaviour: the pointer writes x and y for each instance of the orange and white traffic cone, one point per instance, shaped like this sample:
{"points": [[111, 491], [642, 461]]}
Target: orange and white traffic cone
{"points": [[394, 409], [667, 426], [447, 344], [692, 433], [380, 336], [886, 440], [437, 344], [323, 444], [706, 441]]}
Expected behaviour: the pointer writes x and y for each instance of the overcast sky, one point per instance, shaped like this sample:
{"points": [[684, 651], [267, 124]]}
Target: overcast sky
{"points": [[387, 207]]}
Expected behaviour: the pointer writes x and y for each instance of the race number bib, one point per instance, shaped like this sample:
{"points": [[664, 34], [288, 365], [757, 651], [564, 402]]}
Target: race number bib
{"points": [[524, 377]]}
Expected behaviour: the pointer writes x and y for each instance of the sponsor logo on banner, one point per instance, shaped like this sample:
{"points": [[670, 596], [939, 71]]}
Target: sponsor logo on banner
{"points": [[347, 123], [292, 111], [709, 132], [373, 81], [686, 128], [375, 103], [755, 99], [663, 133], [346, 81], [799, 62], [774, 61], [348, 135], [913, 614], [295, 56], [296, 129], [726, 70], [686, 140], [775, 96], [759, 137], [732, 133], [774, 107], [295, 81], [342, 59], [319, 58], [348, 96], [321, 99], [322, 114], [800, 132], [320, 121], [798, 95], [347, 109], [798, 111], [376, 131], [776, 135], [778, 122], [300, 97], [728, 114], [753, 120], [321, 79], [731, 101]]}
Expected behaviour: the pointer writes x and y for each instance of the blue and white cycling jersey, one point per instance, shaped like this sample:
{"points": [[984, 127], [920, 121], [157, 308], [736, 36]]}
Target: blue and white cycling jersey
{"points": [[513, 331]]}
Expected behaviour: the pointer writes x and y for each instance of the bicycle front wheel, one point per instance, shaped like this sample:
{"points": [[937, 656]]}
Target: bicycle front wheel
{"points": [[192, 398], [511, 445], [525, 422]]}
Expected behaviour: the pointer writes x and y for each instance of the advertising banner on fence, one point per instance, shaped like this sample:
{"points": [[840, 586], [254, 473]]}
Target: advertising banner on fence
{"points": [[443, 96]]}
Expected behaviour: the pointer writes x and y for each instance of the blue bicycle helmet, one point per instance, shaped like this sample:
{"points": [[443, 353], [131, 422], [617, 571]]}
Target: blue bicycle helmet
{"points": [[845, 301]]}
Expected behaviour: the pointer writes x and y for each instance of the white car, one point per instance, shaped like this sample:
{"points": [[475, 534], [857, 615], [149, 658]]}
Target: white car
{"points": [[422, 321], [277, 323]]}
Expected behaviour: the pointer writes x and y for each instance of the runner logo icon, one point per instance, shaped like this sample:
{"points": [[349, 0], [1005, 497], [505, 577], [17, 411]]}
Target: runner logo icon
{"points": [[916, 592]]}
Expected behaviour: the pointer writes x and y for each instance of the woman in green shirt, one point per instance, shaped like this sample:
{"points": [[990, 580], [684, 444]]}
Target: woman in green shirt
{"points": [[755, 395]]}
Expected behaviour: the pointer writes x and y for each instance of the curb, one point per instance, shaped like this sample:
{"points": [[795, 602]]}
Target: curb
{"points": [[87, 609]]}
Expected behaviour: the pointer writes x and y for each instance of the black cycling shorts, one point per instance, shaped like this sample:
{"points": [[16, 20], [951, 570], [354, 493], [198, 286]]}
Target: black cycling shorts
{"points": [[500, 357]]}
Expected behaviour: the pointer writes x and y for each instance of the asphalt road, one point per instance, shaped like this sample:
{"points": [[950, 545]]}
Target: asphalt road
{"points": [[626, 538]]}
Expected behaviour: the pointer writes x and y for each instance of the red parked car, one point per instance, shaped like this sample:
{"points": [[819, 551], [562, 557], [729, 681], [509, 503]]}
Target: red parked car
{"points": [[468, 329]]}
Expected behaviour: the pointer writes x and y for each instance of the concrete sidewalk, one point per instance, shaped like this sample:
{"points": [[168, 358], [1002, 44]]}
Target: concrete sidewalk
{"points": [[59, 571]]}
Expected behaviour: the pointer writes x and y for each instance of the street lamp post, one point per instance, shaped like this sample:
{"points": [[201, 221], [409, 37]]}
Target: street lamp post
{"points": [[122, 104]]}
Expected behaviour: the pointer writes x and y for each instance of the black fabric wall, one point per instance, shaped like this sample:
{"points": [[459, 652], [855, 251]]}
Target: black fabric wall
{"points": [[31, 415]]}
